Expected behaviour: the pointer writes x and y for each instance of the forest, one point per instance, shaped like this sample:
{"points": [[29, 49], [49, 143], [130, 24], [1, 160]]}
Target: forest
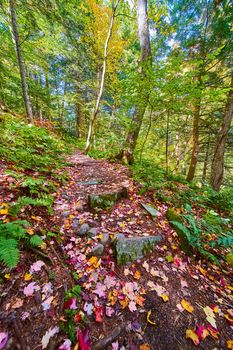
{"points": [[116, 174]]}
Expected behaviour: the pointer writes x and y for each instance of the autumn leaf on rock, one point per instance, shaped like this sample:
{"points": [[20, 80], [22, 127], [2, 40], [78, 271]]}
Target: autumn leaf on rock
{"points": [[210, 316], [190, 334], [187, 306]]}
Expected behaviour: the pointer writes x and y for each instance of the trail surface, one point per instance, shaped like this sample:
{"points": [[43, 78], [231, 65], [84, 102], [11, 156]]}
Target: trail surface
{"points": [[153, 303]]}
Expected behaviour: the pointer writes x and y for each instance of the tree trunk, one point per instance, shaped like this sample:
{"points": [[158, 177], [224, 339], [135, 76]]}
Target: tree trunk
{"points": [[196, 146], [20, 61], [206, 160], [143, 96], [100, 93], [217, 167], [167, 142]]}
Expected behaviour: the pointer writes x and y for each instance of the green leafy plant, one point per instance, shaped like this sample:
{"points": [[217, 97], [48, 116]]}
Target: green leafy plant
{"points": [[43, 201], [11, 234]]}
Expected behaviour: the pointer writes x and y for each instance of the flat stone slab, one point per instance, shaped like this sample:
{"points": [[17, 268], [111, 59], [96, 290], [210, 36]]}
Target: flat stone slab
{"points": [[106, 200], [130, 249]]}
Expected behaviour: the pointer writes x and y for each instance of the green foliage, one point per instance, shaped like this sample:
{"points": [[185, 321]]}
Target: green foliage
{"points": [[212, 231], [11, 234], [30, 147], [44, 201]]}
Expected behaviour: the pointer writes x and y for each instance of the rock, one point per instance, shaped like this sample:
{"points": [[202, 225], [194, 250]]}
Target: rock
{"points": [[79, 208], [106, 200], [118, 237], [184, 243], [97, 250], [130, 249], [92, 232], [65, 214], [64, 196], [104, 240], [84, 228], [75, 224], [108, 339]]}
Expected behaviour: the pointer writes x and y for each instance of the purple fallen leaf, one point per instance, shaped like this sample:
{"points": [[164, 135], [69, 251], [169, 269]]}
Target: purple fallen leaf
{"points": [[88, 308], [47, 303], [30, 289], [3, 339], [115, 346], [36, 267], [100, 290], [66, 345], [109, 311], [132, 306], [49, 334]]}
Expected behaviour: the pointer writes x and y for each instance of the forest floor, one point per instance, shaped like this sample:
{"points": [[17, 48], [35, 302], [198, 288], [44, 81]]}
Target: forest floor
{"points": [[163, 301]]}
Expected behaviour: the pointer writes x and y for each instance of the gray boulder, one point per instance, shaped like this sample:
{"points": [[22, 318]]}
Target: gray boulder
{"points": [[104, 240], [97, 250], [130, 249], [106, 200], [84, 228], [92, 232]]}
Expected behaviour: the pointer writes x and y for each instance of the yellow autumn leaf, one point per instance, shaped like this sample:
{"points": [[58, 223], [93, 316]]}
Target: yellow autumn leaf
{"points": [[230, 344], [7, 276], [27, 277], [4, 211], [187, 306], [30, 231], [190, 334], [148, 318], [164, 297], [202, 271]]}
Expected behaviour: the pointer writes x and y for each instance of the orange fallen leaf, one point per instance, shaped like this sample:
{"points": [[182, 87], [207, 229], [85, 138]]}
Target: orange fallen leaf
{"points": [[7, 276], [137, 275], [145, 346], [27, 277], [187, 306], [230, 344]]}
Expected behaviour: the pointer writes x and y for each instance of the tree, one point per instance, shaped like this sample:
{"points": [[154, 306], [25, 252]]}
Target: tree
{"points": [[20, 60], [102, 81], [217, 167], [143, 96]]}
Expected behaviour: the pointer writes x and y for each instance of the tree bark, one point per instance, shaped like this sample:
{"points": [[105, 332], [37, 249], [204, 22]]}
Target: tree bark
{"points": [[217, 167], [143, 96], [100, 93], [20, 60]]}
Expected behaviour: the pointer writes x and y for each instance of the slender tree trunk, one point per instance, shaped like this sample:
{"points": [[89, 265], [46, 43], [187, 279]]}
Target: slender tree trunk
{"points": [[48, 97], [100, 93], [206, 160], [167, 141], [20, 61], [196, 146], [143, 96], [217, 167]]}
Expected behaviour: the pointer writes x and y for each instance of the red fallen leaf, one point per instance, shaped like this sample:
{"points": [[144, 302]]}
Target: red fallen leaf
{"points": [[202, 332], [70, 304], [84, 339], [99, 313]]}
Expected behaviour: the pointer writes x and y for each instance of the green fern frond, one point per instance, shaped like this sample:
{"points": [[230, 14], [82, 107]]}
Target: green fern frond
{"points": [[36, 241], [9, 252]]}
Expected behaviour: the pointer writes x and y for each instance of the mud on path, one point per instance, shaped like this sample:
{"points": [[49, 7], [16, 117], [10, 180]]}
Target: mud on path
{"points": [[137, 306]]}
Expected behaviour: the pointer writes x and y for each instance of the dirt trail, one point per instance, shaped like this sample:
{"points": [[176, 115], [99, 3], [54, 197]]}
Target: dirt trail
{"points": [[142, 299]]}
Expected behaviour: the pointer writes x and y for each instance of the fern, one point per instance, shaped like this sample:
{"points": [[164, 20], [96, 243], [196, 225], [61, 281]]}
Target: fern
{"points": [[11, 234], [9, 252]]}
